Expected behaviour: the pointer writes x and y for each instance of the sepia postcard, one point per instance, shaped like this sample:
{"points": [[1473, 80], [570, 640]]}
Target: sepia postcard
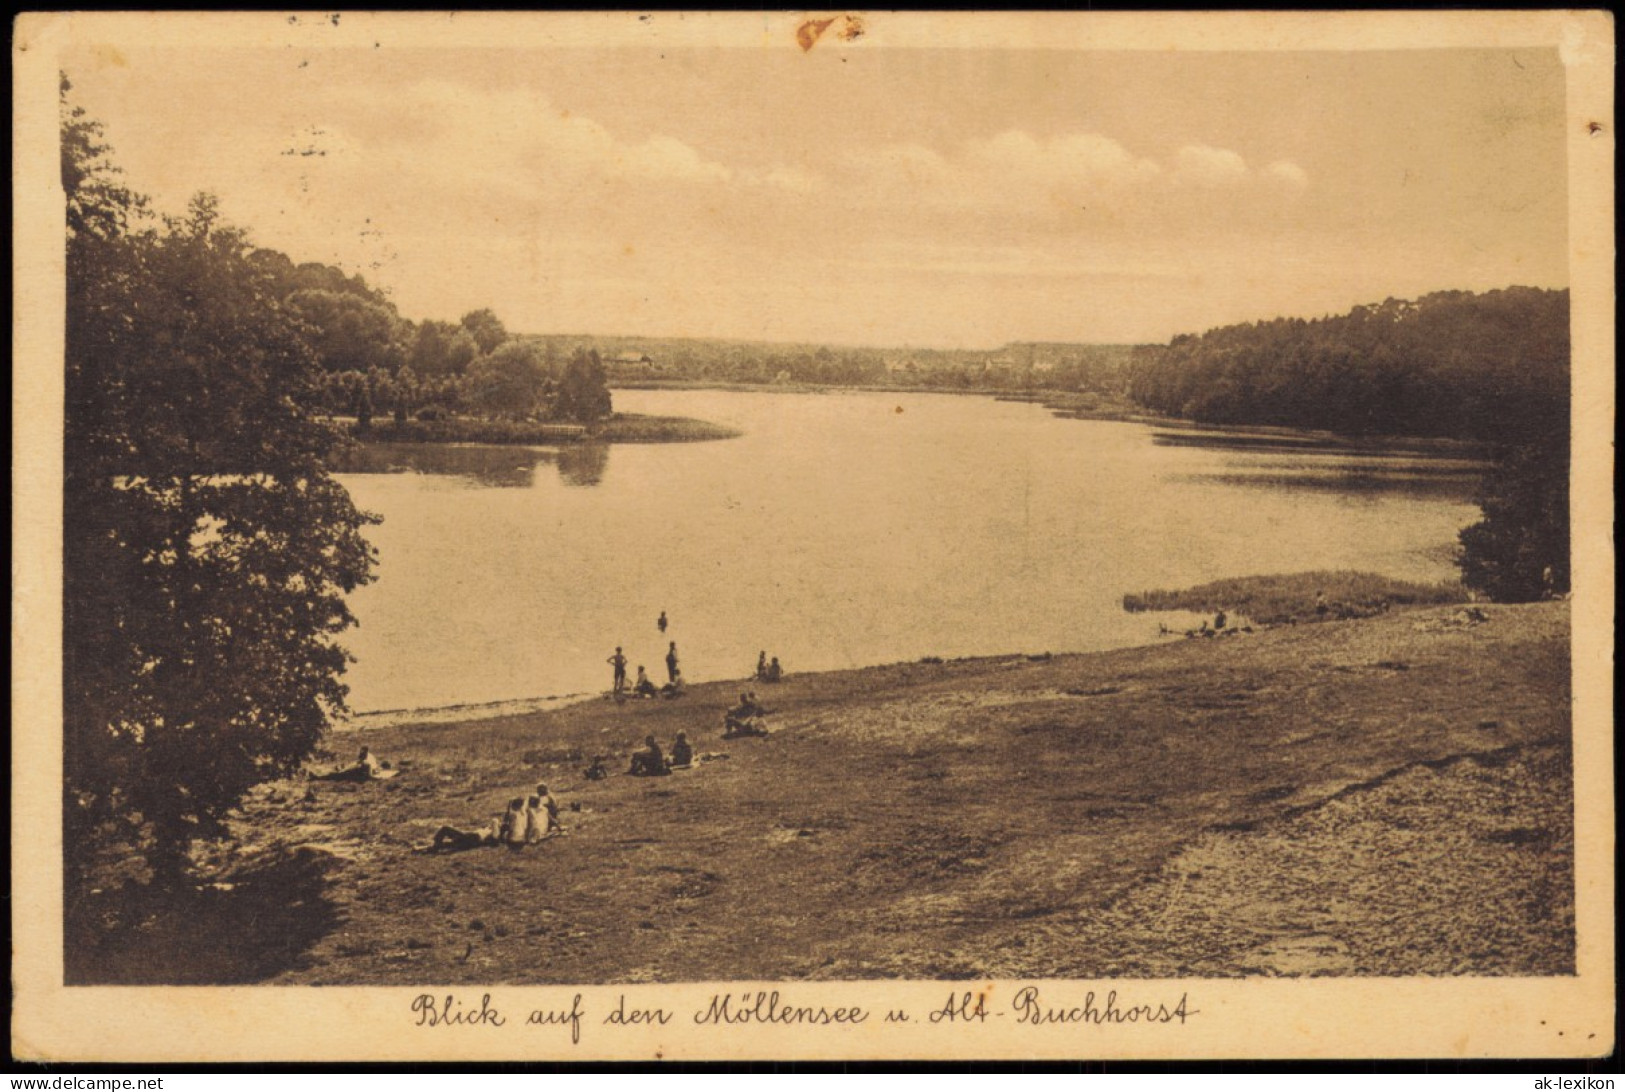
{"points": [[826, 535]]}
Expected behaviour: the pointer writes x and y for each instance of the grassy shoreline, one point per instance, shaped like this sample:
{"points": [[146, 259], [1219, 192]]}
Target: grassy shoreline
{"points": [[1290, 598], [618, 428], [1405, 777]]}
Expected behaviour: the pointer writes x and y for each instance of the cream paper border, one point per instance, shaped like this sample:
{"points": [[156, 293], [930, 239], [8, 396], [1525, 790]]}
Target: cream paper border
{"points": [[1255, 1018]]}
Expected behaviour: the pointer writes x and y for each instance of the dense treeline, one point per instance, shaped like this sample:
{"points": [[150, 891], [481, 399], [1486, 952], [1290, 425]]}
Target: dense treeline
{"points": [[1031, 366], [1492, 367], [376, 362]]}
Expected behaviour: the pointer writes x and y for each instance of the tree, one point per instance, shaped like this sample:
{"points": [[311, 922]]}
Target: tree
{"points": [[508, 382], [583, 389], [206, 549], [1519, 551], [486, 329], [442, 349], [350, 332], [407, 393]]}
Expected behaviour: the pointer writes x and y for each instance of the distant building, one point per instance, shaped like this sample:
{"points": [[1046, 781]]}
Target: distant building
{"points": [[630, 358]]}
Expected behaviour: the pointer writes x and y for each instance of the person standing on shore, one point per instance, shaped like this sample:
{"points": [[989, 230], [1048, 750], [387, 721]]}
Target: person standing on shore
{"points": [[671, 662], [661, 622], [618, 662]]}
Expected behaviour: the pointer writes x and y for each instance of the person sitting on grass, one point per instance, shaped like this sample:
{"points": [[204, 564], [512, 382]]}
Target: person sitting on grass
{"points": [[682, 755], [643, 688], [550, 808], [673, 689], [515, 824], [597, 771], [743, 719], [649, 762], [775, 673], [536, 820], [365, 768]]}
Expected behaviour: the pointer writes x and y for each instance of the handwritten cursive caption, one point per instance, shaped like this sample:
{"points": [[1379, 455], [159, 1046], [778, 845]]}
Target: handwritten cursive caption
{"points": [[1087, 1008]]}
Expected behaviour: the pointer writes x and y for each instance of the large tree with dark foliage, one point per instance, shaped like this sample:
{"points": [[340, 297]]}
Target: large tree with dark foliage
{"points": [[583, 393], [206, 549], [1519, 551]]}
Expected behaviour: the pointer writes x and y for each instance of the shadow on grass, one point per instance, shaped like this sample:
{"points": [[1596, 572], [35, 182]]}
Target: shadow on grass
{"points": [[261, 924]]}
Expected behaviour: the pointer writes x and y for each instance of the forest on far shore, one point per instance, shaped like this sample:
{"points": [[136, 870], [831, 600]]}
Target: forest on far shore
{"points": [[1492, 367]]}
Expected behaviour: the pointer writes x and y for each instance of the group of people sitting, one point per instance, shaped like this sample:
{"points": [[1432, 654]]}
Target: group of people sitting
{"points": [[526, 821], [745, 719], [768, 671], [651, 761], [645, 688], [1220, 627]]}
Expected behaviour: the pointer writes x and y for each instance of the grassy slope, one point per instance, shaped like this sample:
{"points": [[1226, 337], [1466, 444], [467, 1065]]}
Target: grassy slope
{"points": [[1291, 597], [1296, 801]]}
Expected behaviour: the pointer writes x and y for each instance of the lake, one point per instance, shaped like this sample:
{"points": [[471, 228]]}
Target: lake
{"points": [[844, 529]]}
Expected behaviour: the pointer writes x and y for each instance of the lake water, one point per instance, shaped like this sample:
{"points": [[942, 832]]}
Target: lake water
{"points": [[845, 529]]}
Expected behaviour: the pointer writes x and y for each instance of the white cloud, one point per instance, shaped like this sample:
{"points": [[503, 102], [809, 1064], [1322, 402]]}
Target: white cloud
{"points": [[1288, 173], [1203, 165], [476, 135], [1017, 175], [793, 179]]}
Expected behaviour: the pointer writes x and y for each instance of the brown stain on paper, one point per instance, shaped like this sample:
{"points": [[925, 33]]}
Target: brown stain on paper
{"points": [[810, 30]]}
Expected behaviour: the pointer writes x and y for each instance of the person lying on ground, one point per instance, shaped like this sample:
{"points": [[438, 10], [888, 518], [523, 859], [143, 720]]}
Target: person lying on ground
{"points": [[649, 762], [449, 839], [365, 768], [682, 755]]}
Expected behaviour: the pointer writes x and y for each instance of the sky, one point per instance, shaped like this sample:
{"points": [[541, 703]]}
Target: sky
{"points": [[950, 198]]}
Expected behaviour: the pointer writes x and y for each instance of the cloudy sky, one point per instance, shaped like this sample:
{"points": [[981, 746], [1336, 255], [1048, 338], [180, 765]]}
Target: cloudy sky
{"points": [[847, 194]]}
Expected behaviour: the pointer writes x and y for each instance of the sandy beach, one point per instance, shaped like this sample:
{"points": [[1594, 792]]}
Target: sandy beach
{"points": [[1383, 796]]}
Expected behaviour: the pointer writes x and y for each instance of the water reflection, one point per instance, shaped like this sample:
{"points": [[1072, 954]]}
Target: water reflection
{"points": [[583, 464], [1351, 482], [1329, 464], [491, 465], [1445, 451]]}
